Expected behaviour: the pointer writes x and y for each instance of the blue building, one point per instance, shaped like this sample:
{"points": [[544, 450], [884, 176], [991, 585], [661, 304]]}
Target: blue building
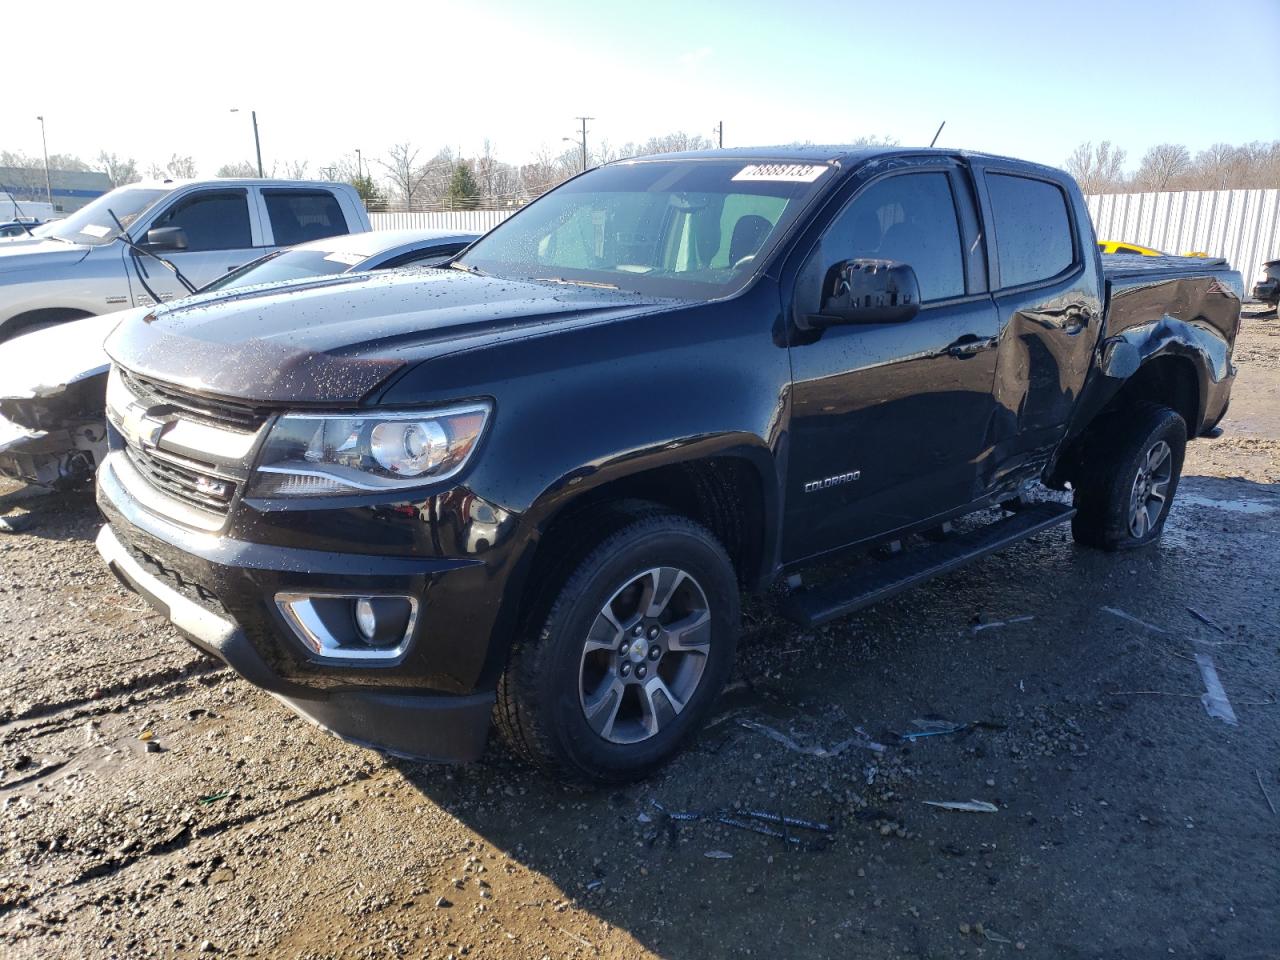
{"points": [[72, 189]]}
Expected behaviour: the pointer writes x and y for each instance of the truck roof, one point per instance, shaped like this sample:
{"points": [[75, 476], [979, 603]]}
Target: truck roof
{"points": [[844, 154], [174, 184]]}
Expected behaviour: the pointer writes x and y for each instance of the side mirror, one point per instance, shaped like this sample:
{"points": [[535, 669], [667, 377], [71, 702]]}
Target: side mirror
{"points": [[166, 238], [867, 291]]}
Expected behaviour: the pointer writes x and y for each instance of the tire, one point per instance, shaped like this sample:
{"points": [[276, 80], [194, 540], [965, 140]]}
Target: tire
{"points": [[1137, 456], [583, 698]]}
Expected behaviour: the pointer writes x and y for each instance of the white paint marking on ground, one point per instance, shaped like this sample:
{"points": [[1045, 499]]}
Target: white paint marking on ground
{"points": [[1132, 619], [978, 628], [1215, 697]]}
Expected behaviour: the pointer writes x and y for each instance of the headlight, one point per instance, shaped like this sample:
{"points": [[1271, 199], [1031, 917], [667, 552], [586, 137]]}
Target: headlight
{"points": [[322, 455]]}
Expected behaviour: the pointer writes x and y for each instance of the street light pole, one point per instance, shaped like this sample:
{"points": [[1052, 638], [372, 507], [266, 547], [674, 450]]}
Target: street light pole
{"points": [[584, 141], [48, 184], [720, 133], [359, 165], [257, 144]]}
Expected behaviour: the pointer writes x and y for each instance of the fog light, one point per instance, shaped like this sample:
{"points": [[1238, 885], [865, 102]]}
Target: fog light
{"points": [[351, 628], [382, 621], [366, 621]]}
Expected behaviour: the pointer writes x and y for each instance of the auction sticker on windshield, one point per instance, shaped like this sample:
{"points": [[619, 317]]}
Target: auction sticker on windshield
{"points": [[341, 256], [95, 230], [787, 172]]}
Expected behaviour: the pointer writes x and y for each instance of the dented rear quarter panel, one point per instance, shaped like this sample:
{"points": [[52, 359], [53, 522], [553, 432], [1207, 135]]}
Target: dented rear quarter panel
{"points": [[1166, 307]]}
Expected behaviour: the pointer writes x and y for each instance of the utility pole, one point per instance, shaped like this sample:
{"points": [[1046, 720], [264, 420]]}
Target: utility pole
{"points": [[719, 128], [257, 144], [359, 165], [48, 184], [584, 141]]}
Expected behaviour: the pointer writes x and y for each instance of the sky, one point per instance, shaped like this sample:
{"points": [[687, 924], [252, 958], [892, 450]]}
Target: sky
{"points": [[1031, 79]]}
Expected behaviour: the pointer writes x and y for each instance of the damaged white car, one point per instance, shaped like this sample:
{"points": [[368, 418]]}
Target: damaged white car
{"points": [[53, 381]]}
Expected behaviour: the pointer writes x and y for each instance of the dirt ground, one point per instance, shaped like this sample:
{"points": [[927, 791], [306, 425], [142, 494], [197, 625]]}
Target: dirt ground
{"points": [[155, 805]]}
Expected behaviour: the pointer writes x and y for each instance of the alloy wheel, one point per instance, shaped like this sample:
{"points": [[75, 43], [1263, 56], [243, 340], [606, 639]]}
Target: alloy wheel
{"points": [[1150, 489], [645, 655]]}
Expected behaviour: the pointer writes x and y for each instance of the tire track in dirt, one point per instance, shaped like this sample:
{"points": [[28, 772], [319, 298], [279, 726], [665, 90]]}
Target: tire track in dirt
{"points": [[178, 839]]}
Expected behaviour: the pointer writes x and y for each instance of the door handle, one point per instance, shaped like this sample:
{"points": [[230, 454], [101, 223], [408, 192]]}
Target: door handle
{"points": [[970, 346]]}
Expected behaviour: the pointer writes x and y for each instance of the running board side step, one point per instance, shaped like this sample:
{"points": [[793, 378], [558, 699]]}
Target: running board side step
{"points": [[809, 608]]}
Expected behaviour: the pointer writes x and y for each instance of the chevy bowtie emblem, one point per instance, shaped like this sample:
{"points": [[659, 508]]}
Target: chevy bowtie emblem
{"points": [[213, 488], [143, 430]]}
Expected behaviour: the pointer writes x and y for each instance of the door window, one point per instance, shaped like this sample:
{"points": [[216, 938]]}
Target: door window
{"points": [[211, 221], [301, 215], [910, 218], [1032, 227]]}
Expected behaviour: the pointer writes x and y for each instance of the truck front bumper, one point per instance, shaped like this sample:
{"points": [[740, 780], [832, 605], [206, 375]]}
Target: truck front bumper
{"points": [[220, 595], [415, 725]]}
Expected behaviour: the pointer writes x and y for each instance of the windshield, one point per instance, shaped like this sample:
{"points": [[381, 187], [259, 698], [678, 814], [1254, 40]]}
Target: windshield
{"points": [[93, 225], [287, 265], [679, 228]]}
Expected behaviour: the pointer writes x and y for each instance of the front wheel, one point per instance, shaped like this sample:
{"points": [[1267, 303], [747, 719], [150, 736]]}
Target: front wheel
{"points": [[1128, 480], [638, 642]]}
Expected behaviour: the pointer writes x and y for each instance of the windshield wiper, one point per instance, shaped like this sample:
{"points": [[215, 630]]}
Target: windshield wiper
{"points": [[577, 283], [142, 251], [467, 268]]}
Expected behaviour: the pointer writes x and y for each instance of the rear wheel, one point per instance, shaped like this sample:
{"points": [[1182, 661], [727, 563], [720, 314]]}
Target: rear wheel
{"points": [[1128, 479], [637, 643]]}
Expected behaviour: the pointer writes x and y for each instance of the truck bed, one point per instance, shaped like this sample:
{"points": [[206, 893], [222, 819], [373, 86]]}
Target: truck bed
{"points": [[1132, 265]]}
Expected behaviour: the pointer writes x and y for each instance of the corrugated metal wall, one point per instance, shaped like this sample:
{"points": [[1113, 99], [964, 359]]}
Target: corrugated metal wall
{"points": [[1241, 225], [477, 220]]}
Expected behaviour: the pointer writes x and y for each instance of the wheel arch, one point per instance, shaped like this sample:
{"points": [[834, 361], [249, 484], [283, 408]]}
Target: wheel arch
{"points": [[45, 315], [730, 491], [1180, 364]]}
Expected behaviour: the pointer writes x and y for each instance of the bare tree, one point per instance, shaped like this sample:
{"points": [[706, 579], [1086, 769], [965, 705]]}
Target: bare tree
{"points": [[181, 168], [296, 169], [1097, 169], [240, 170], [403, 170], [119, 171], [1162, 165], [874, 140], [68, 161]]}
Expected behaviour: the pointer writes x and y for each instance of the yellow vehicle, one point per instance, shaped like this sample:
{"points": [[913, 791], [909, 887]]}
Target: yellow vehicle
{"points": [[1115, 246]]}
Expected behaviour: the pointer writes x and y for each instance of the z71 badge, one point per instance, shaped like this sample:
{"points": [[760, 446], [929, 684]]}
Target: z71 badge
{"points": [[841, 478]]}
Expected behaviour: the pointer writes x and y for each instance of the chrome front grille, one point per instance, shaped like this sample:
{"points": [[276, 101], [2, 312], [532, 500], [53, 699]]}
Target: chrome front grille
{"points": [[218, 411], [183, 479]]}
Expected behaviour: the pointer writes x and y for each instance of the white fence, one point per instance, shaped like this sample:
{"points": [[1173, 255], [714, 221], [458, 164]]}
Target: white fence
{"points": [[1241, 225], [478, 221]]}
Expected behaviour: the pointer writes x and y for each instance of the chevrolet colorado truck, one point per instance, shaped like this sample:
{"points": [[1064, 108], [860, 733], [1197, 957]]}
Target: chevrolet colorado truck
{"points": [[529, 489], [81, 266]]}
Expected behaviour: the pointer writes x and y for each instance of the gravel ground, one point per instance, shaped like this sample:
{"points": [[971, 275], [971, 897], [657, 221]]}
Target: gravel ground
{"points": [[154, 805]]}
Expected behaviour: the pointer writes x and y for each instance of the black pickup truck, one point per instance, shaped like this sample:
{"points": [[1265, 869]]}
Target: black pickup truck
{"points": [[530, 488]]}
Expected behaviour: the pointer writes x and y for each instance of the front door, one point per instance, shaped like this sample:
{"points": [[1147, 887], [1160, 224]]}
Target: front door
{"points": [[219, 239], [890, 422]]}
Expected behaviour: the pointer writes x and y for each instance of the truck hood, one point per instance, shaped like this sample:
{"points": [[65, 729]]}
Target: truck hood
{"points": [[334, 340], [39, 252]]}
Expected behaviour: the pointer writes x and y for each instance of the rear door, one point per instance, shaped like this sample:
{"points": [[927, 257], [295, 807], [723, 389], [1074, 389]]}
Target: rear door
{"points": [[219, 234], [299, 215], [890, 421], [1046, 292]]}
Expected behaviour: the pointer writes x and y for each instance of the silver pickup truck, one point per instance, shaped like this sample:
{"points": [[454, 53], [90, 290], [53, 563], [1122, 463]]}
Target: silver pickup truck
{"points": [[82, 267]]}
